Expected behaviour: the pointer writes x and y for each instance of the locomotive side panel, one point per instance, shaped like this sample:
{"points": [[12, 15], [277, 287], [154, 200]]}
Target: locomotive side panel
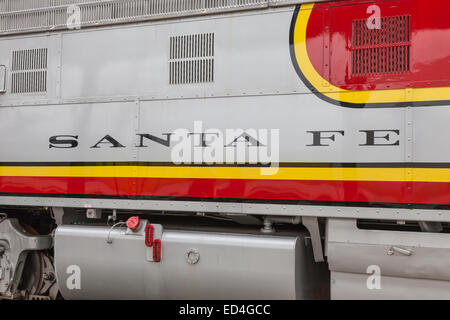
{"points": [[116, 123], [249, 52], [132, 67]]}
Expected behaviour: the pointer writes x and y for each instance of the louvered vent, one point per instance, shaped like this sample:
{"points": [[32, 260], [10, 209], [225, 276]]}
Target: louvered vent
{"points": [[191, 59], [8, 5], [29, 71], [384, 50], [38, 15]]}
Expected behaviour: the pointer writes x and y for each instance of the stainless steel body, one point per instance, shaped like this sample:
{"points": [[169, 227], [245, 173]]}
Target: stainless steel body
{"points": [[409, 265], [130, 72], [121, 87], [228, 266]]}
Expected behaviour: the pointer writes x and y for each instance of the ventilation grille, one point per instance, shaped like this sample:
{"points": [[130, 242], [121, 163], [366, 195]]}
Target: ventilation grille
{"points": [[384, 50], [29, 71], [38, 15], [8, 5], [191, 59], [19, 5]]}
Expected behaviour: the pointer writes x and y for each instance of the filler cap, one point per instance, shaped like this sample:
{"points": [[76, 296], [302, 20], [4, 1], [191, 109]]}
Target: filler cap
{"points": [[133, 223]]}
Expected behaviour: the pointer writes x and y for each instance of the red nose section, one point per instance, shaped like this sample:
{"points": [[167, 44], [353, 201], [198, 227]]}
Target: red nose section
{"points": [[408, 47], [133, 223]]}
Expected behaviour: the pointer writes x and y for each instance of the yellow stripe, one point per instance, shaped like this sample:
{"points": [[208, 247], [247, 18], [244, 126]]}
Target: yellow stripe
{"points": [[348, 174], [359, 97]]}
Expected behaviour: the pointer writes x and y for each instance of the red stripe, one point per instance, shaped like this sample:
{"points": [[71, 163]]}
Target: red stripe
{"points": [[62, 185], [431, 192], [349, 191], [355, 191]]}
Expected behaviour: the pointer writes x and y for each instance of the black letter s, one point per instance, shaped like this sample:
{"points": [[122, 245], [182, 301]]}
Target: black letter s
{"points": [[63, 142]]}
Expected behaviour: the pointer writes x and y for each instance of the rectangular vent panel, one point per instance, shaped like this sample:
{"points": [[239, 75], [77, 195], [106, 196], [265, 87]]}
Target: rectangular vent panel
{"points": [[191, 59], [29, 71], [383, 50]]}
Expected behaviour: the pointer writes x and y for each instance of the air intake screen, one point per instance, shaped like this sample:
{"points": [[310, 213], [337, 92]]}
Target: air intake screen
{"points": [[29, 71], [191, 59], [41, 15], [384, 50]]}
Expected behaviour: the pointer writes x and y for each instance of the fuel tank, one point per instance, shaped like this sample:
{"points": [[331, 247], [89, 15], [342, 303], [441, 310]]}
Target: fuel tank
{"points": [[100, 262]]}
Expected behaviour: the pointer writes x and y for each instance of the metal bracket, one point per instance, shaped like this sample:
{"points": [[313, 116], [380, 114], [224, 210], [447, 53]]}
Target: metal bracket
{"points": [[57, 214], [312, 224], [16, 243]]}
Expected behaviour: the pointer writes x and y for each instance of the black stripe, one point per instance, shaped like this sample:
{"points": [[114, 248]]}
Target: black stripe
{"points": [[442, 165], [238, 200]]}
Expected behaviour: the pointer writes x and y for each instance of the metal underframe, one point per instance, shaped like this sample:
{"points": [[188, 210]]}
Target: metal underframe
{"points": [[238, 208]]}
